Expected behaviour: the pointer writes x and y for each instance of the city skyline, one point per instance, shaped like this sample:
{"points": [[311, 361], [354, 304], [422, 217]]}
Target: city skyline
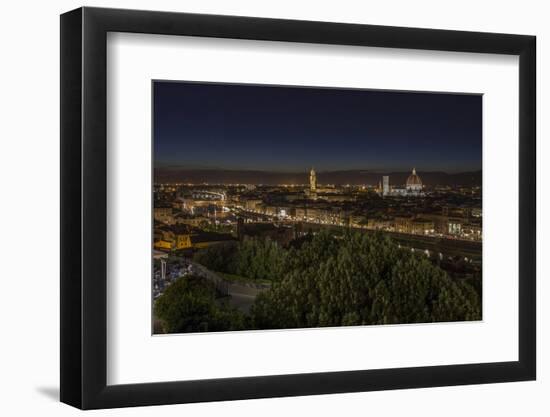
{"points": [[217, 126], [351, 177], [283, 207]]}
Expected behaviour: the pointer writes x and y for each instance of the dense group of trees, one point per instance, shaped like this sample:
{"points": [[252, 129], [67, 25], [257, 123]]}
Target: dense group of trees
{"points": [[191, 304], [256, 259], [353, 279], [362, 279], [220, 258]]}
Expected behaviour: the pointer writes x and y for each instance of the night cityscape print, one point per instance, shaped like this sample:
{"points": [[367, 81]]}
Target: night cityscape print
{"points": [[279, 207]]}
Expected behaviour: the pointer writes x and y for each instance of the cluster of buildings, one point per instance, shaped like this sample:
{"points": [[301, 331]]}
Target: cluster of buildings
{"points": [[179, 237], [462, 222], [413, 187], [195, 216]]}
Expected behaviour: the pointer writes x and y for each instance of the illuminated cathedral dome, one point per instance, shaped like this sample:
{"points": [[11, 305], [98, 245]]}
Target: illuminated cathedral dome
{"points": [[414, 183]]}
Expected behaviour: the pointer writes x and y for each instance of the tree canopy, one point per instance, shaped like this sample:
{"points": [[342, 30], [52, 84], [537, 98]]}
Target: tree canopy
{"points": [[191, 304], [361, 279], [257, 259], [352, 279]]}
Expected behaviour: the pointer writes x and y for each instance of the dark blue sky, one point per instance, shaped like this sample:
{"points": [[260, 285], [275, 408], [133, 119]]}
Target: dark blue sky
{"points": [[239, 126]]}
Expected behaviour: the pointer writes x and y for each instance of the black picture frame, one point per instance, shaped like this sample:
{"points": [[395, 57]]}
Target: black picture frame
{"points": [[84, 207]]}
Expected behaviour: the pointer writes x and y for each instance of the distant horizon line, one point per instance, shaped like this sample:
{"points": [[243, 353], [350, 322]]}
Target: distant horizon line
{"points": [[371, 171]]}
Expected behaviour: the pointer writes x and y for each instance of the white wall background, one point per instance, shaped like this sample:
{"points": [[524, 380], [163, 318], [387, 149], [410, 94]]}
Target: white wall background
{"points": [[29, 225]]}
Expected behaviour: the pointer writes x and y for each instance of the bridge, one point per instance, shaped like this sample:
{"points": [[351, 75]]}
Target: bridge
{"points": [[208, 195]]}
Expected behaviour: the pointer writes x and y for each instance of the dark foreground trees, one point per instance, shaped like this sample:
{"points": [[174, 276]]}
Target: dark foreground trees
{"points": [[353, 279], [191, 304], [362, 279], [256, 259]]}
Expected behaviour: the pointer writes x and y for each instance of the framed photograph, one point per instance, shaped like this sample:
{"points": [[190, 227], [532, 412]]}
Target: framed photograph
{"points": [[257, 208]]}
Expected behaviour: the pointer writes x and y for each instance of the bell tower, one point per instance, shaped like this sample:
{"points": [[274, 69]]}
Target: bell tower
{"points": [[312, 181]]}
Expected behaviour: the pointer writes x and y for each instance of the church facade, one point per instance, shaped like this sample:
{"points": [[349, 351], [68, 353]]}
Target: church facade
{"points": [[413, 187]]}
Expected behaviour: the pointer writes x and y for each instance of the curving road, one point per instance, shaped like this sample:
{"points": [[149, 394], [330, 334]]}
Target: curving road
{"points": [[242, 295]]}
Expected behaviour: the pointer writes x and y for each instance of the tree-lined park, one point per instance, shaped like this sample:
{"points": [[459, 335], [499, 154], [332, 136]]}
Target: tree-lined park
{"points": [[318, 281]]}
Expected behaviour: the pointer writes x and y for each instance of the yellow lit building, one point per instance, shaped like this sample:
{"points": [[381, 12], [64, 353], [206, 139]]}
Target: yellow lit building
{"points": [[183, 241], [180, 237], [164, 240], [163, 245]]}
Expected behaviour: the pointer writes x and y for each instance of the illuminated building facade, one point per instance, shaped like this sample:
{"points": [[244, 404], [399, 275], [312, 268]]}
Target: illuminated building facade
{"points": [[312, 181], [414, 183], [413, 187], [385, 185]]}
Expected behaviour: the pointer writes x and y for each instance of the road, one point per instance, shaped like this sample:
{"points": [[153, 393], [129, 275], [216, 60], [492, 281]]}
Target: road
{"points": [[446, 245], [241, 301], [242, 295]]}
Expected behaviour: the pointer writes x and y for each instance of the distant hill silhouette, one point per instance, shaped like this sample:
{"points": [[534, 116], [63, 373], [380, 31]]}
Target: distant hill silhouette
{"points": [[353, 177]]}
